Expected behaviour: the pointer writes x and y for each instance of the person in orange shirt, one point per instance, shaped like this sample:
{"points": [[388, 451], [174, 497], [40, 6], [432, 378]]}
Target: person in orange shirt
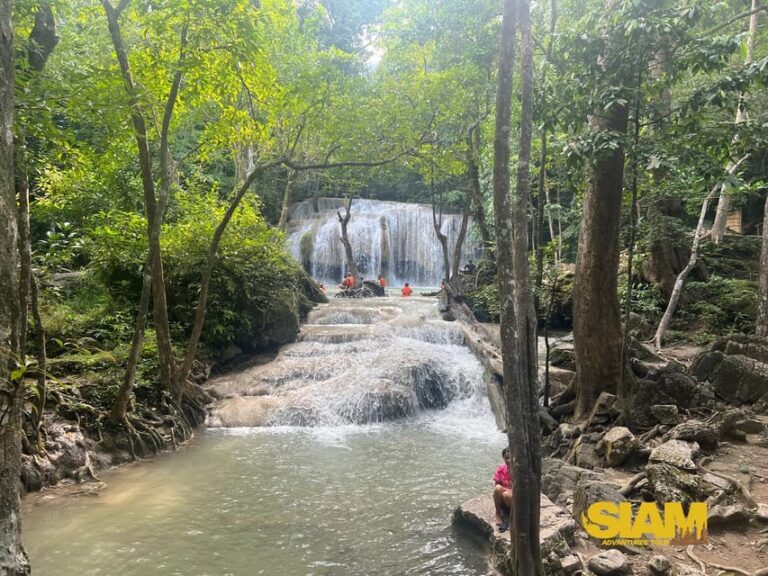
{"points": [[407, 290]]}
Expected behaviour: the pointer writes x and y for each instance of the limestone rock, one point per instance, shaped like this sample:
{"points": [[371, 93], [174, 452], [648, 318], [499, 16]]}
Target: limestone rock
{"points": [[571, 564], [559, 480], [563, 356], [666, 414], [669, 483], [749, 426], [659, 565], [670, 385], [761, 514], [725, 422], [584, 453], [604, 411], [609, 563], [588, 492], [735, 378], [705, 435], [722, 515], [617, 445], [677, 453]]}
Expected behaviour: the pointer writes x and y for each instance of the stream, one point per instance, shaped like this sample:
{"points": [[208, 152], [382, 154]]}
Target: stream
{"points": [[344, 456]]}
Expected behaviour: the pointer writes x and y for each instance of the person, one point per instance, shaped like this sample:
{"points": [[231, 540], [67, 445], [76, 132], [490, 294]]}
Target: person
{"points": [[382, 282], [407, 290], [442, 284], [469, 267], [502, 493], [323, 288], [348, 282]]}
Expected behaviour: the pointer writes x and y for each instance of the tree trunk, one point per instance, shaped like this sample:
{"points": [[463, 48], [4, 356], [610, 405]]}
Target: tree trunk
{"points": [[42, 385], [287, 199], [596, 321], [454, 277], [437, 223], [724, 203], [13, 559], [680, 281], [761, 324], [41, 42], [153, 208], [518, 324], [120, 407], [475, 190], [344, 220]]}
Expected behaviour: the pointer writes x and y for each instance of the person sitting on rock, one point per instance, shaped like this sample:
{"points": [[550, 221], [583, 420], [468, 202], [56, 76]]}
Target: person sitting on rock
{"points": [[382, 282], [502, 493], [348, 282], [407, 290]]}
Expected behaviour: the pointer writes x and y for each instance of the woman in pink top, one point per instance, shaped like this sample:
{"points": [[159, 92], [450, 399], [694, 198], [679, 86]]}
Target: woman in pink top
{"points": [[502, 493]]}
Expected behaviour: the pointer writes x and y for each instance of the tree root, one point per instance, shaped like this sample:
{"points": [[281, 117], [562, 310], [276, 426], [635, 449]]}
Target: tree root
{"points": [[634, 481], [704, 564], [745, 493]]}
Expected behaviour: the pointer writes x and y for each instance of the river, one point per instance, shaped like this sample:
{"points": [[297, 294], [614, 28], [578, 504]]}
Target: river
{"points": [[347, 493]]}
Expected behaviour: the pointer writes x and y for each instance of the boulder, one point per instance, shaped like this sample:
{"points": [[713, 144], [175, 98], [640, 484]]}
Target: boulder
{"points": [[563, 356], [609, 563], [727, 515], [666, 414], [584, 453], [726, 423], [677, 453], [617, 445], [559, 480], [589, 491], [659, 565], [707, 436], [670, 385], [604, 411], [556, 535], [668, 483], [736, 378]]}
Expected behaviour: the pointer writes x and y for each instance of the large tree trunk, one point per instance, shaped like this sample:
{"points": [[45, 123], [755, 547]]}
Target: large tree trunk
{"points": [[761, 324], [518, 324], [13, 559], [596, 321], [42, 40], [724, 203]]}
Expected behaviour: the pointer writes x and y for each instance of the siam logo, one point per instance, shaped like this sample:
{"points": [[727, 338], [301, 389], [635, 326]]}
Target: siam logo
{"points": [[616, 525]]}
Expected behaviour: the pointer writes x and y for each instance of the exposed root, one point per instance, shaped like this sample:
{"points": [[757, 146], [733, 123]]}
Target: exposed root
{"points": [[634, 481], [703, 564], [745, 493]]}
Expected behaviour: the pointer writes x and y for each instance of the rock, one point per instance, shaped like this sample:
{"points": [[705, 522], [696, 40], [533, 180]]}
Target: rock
{"points": [[590, 491], [735, 378], [230, 352], [751, 346], [584, 453], [722, 515], [749, 426], [669, 483], [557, 532], [685, 570], [670, 385], [559, 379], [571, 564], [677, 453], [609, 563], [604, 411], [666, 414], [716, 481], [617, 445], [725, 422], [559, 480], [705, 435], [761, 513], [659, 565], [563, 356]]}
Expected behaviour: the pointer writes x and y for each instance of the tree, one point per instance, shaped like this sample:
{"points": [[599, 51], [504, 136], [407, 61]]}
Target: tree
{"points": [[518, 320], [762, 289], [13, 559]]}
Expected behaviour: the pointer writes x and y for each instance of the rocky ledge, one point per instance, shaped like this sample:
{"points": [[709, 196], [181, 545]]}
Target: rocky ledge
{"points": [[558, 533]]}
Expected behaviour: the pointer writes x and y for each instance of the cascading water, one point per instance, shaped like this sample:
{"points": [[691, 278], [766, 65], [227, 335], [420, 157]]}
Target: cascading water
{"points": [[394, 239], [345, 494], [356, 362]]}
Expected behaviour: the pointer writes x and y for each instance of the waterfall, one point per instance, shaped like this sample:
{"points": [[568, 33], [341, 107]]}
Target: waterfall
{"points": [[357, 362], [394, 239]]}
